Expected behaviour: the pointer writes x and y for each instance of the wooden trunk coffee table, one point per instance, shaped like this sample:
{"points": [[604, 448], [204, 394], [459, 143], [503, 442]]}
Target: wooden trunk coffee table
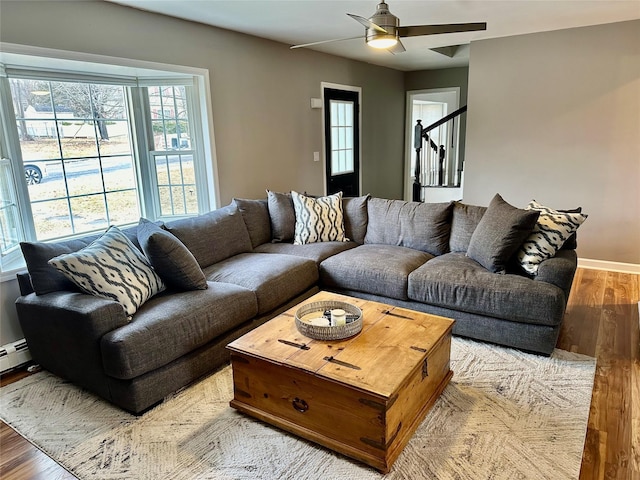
{"points": [[363, 397]]}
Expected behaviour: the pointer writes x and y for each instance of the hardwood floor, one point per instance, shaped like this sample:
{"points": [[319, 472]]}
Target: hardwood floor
{"points": [[601, 321]]}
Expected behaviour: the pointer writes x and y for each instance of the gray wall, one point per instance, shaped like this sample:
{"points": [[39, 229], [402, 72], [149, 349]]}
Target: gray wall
{"points": [[555, 117]]}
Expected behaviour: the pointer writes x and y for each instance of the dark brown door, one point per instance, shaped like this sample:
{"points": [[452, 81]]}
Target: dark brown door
{"points": [[342, 140]]}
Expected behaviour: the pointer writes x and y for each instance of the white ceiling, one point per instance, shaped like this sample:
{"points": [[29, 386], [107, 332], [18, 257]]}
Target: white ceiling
{"points": [[303, 21]]}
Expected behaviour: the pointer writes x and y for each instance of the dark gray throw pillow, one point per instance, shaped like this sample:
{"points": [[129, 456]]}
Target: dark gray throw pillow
{"points": [[175, 264], [255, 214], [499, 233], [282, 215], [355, 217]]}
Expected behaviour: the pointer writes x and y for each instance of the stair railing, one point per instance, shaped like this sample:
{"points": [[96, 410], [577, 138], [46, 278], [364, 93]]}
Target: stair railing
{"points": [[437, 163]]}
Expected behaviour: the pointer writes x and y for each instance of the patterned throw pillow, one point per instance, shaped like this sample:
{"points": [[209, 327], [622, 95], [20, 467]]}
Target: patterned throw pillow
{"points": [[113, 268], [318, 219], [551, 231]]}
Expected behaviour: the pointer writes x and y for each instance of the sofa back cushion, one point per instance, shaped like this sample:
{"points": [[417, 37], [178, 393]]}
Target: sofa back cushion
{"points": [[356, 217], [214, 236], [44, 277], [421, 226], [464, 221], [255, 214]]}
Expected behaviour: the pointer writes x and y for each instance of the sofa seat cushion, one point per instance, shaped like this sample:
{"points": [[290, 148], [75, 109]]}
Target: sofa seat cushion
{"points": [[457, 282], [172, 325], [314, 251], [274, 278], [375, 269]]}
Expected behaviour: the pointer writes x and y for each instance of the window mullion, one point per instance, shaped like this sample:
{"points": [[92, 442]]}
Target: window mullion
{"points": [[142, 131]]}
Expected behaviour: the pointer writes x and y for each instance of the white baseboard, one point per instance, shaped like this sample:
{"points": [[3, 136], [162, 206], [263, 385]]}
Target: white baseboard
{"points": [[14, 354], [610, 266]]}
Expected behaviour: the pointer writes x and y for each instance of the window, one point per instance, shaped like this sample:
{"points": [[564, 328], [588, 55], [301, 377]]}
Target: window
{"points": [[85, 151]]}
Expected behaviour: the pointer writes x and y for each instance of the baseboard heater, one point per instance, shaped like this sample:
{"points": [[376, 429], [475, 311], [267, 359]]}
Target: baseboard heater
{"points": [[14, 354]]}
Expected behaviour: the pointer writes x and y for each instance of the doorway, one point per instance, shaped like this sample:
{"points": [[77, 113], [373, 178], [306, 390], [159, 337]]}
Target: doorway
{"points": [[342, 139], [430, 106]]}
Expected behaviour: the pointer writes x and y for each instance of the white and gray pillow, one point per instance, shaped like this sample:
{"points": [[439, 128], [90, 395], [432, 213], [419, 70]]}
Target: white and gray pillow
{"points": [[318, 219], [112, 267], [552, 230]]}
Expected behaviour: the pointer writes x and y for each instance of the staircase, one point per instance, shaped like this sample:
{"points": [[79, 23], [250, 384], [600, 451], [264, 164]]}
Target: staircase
{"points": [[437, 163]]}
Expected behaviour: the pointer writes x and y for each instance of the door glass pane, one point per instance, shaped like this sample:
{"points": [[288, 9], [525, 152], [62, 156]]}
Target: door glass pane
{"points": [[342, 150]]}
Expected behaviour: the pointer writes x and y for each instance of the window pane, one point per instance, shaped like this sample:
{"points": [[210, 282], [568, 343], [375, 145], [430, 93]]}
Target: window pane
{"points": [[78, 139], [38, 140], [116, 140], [123, 207], [83, 176], [118, 173], [51, 219], [89, 213], [166, 201]]}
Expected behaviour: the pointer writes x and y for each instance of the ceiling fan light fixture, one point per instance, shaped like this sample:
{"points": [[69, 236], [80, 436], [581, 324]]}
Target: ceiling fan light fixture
{"points": [[382, 41], [386, 35]]}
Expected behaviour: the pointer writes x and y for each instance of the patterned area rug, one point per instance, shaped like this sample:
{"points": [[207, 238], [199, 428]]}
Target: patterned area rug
{"points": [[505, 415]]}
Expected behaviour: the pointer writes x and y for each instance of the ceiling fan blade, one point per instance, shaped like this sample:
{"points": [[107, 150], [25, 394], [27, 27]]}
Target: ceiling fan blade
{"points": [[419, 30], [397, 48], [367, 23], [324, 41]]}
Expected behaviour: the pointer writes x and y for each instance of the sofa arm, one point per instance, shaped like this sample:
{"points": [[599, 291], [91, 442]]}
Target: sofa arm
{"points": [[559, 270], [63, 332]]}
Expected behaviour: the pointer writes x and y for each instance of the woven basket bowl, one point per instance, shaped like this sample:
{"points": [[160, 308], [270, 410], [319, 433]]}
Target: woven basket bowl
{"points": [[319, 332]]}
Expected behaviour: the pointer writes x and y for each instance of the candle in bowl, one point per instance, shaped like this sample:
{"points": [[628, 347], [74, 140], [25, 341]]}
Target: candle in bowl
{"points": [[338, 317]]}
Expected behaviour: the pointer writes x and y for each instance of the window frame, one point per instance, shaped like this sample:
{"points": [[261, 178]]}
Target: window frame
{"points": [[90, 69]]}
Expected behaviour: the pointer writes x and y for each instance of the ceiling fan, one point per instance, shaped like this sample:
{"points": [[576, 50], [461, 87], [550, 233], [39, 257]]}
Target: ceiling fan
{"points": [[383, 30]]}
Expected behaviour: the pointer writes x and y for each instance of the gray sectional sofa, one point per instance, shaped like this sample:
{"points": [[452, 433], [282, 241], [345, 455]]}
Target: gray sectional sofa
{"points": [[234, 268]]}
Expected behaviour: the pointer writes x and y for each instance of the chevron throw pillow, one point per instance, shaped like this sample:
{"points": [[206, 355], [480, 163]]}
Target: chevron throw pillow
{"points": [[318, 219], [552, 229], [113, 268]]}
